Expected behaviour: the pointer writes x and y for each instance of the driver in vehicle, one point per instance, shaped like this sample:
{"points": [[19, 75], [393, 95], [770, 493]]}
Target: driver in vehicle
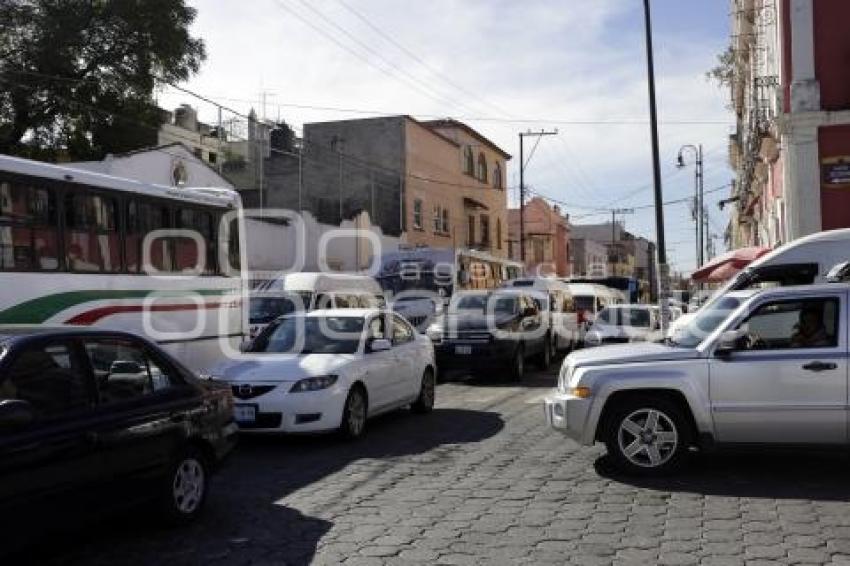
{"points": [[810, 331]]}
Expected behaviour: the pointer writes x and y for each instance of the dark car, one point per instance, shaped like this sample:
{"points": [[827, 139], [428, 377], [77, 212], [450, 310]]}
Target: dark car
{"points": [[91, 420], [498, 330]]}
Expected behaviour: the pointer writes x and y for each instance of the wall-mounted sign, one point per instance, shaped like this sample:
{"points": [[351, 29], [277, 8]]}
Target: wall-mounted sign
{"points": [[835, 171]]}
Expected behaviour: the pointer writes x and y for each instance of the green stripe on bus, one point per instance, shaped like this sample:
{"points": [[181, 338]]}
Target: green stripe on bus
{"points": [[37, 311]]}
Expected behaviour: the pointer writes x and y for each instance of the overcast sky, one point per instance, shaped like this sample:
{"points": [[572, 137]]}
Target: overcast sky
{"points": [[503, 67]]}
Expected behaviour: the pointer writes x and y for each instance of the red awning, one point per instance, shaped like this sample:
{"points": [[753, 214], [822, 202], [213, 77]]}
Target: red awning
{"points": [[727, 265]]}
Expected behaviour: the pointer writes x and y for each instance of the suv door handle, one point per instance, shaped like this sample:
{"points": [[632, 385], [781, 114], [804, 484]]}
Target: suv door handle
{"points": [[820, 366]]}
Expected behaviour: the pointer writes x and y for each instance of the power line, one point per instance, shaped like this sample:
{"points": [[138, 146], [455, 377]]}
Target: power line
{"points": [[405, 76], [416, 58], [373, 112]]}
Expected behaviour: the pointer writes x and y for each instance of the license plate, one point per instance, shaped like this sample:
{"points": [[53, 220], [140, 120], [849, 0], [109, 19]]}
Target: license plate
{"points": [[245, 413], [463, 350]]}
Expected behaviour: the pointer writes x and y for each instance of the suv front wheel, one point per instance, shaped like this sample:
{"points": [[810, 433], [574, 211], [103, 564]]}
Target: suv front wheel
{"points": [[648, 436]]}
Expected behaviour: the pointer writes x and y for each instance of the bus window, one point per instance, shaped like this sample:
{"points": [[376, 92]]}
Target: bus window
{"points": [[28, 238], [185, 249], [91, 233], [233, 245], [143, 218]]}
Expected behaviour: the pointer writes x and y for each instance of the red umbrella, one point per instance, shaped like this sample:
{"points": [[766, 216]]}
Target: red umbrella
{"points": [[727, 265]]}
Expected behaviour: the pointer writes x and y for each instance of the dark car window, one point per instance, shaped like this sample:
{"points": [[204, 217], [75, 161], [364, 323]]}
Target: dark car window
{"points": [[50, 379], [124, 371]]}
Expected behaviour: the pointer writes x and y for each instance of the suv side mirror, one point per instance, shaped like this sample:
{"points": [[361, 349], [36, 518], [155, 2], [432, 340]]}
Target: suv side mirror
{"points": [[15, 413], [379, 345], [727, 344]]}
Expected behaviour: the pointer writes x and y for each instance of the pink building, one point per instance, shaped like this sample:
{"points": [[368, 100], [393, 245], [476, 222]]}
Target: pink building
{"points": [[547, 238]]}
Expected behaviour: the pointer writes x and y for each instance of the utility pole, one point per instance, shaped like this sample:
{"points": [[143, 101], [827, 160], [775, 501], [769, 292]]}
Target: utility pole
{"points": [[699, 204], [522, 165], [663, 270]]}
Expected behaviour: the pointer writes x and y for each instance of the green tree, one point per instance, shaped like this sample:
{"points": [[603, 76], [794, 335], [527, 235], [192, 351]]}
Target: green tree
{"points": [[78, 76]]}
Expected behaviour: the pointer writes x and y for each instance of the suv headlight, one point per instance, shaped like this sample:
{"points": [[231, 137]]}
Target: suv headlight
{"points": [[313, 383], [434, 332]]}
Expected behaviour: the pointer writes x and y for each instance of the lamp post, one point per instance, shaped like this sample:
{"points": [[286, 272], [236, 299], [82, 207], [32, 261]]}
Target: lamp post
{"points": [[663, 270], [698, 197]]}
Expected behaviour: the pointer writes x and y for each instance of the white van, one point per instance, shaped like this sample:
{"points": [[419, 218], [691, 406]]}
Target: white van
{"points": [[590, 299], [559, 312], [309, 291]]}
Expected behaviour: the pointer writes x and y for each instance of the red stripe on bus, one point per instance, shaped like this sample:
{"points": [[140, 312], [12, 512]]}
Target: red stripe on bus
{"points": [[92, 316]]}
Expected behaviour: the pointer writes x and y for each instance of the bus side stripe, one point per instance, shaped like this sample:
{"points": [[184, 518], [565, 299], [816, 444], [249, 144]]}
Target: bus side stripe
{"points": [[94, 315], [39, 310]]}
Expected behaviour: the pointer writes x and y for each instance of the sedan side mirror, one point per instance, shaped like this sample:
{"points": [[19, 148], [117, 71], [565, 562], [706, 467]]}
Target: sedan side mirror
{"points": [[380, 345], [15, 413], [728, 343]]}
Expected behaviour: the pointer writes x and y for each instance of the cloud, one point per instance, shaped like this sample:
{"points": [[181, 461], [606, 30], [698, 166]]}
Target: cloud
{"points": [[575, 60]]}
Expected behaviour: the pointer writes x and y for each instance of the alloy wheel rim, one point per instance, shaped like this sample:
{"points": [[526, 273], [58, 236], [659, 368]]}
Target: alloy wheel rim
{"points": [[356, 413], [188, 486], [647, 438]]}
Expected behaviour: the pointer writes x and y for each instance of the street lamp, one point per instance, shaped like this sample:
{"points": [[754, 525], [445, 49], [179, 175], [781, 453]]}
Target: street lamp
{"points": [[698, 195]]}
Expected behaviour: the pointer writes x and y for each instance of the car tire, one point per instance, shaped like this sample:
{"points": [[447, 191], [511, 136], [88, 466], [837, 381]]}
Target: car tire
{"points": [[544, 359], [427, 393], [354, 414], [648, 436], [184, 492], [518, 364]]}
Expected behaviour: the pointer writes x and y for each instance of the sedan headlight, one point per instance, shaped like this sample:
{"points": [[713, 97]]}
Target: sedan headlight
{"points": [[434, 332], [313, 383]]}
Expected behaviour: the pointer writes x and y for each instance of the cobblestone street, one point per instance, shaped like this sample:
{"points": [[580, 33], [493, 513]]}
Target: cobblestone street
{"points": [[482, 480]]}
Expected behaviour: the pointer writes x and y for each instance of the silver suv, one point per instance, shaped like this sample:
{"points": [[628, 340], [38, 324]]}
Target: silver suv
{"points": [[771, 368]]}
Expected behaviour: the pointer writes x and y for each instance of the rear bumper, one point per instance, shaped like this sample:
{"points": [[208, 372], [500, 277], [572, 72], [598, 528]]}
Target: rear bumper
{"points": [[482, 355]]}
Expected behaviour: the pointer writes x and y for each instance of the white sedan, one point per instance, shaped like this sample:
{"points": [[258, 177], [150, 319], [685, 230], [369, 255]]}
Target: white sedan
{"points": [[329, 370]]}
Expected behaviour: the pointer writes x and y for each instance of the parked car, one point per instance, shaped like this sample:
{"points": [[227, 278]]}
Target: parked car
{"points": [[624, 323], [418, 307], [497, 330], [96, 419], [559, 312], [290, 292], [773, 372], [329, 370]]}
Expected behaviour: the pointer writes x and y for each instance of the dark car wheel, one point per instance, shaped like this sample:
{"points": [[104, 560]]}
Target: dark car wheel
{"points": [[647, 436], [427, 393], [518, 364], [544, 359], [354, 414], [185, 492]]}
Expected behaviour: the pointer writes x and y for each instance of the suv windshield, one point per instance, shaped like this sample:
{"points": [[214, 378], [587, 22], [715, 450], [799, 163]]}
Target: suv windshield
{"points": [[469, 303], [311, 335], [705, 322]]}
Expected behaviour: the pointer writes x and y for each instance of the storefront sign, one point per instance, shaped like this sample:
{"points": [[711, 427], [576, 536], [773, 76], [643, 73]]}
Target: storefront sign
{"points": [[835, 171]]}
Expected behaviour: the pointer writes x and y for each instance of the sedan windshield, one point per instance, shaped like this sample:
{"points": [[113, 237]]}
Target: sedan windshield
{"points": [[469, 303], [705, 322], [311, 335]]}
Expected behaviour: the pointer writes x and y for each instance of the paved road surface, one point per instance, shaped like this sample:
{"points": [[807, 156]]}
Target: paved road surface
{"points": [[481, 480]]}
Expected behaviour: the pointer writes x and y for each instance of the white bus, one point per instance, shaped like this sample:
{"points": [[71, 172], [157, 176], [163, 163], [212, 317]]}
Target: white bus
{"points": [[84, 248]]}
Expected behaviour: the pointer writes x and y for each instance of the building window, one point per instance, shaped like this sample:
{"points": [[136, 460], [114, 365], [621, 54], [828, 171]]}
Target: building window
{"points": [[499, 233], [417, 213], [438, 219], [497, 176], [539, 252], [445, 220], [482, 168], [213, 158], [485, 230], [470, 236], [468, 161]]}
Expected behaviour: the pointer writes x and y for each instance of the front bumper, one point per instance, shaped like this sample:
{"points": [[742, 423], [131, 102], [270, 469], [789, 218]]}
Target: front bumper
{"points": [[280, 411], [569, 415]]}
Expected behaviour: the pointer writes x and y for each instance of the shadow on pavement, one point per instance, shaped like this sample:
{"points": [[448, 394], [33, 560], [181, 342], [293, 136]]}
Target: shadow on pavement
{"points": [[775, 474], [245, 520]]}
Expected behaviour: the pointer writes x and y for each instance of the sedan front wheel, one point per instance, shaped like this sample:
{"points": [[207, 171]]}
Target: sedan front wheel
{"points": [[354, 414]]}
